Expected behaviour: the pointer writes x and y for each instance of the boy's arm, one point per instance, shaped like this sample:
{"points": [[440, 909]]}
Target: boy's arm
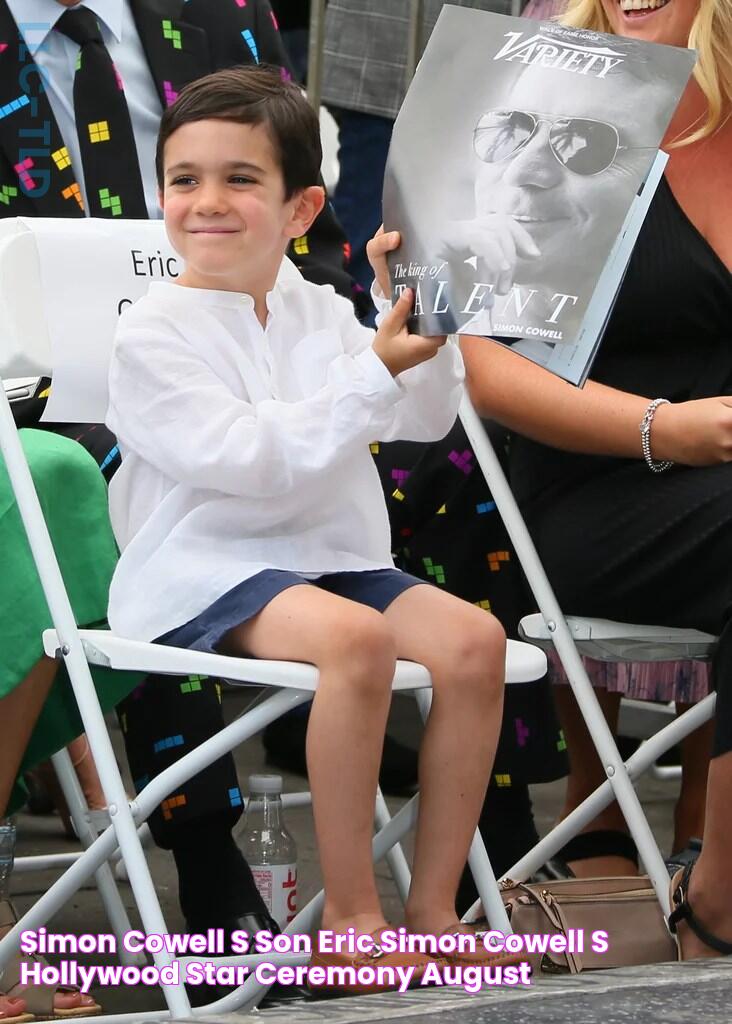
{"points": [[430, 392], [170, 408], [430, 404]]}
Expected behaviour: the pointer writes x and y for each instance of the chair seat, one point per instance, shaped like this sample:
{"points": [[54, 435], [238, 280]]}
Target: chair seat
{"points": [[606, 640], [523, 662]]}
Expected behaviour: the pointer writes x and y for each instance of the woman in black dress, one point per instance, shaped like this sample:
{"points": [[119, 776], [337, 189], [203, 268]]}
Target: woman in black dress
{"points": [[617, 539]]}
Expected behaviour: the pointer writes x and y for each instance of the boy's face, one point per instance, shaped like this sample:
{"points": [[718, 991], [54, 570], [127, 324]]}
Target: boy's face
{"points": [[225, 208]]}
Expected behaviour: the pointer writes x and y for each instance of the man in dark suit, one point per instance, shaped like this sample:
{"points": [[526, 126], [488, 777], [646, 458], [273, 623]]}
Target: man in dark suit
{"points": [[165, 44], [157, 47]]}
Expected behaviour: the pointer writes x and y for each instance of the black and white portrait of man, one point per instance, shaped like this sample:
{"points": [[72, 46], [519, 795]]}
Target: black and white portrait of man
{"points": [[521, 183]]}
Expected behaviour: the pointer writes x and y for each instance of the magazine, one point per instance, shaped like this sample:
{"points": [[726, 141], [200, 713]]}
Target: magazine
{"points": [[522, 164]]}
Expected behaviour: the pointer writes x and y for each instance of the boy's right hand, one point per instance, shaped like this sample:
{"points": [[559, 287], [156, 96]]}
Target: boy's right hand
{"points": [[395, 346]]}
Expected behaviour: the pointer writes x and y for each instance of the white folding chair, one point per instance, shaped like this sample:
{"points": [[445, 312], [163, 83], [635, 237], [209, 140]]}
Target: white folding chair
{"points": [[599, 639], [622, 642], [28, 278]]}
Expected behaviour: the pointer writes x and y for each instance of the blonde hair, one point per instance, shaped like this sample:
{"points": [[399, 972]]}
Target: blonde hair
{"points": [[710, 36]]}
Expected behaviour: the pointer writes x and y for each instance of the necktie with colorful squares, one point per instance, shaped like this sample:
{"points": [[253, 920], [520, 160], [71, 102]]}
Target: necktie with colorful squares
{"points": [[108, 153]]}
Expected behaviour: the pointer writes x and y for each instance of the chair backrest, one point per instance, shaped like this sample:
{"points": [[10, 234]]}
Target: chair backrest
{"points": [[63, 284]]}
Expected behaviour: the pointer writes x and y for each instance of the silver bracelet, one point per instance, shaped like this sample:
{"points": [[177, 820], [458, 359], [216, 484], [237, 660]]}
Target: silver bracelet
{"points": [[645, 429]]}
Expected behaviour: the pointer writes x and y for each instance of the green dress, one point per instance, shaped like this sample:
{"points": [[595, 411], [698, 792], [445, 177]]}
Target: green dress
{"points": [[73, 496]]}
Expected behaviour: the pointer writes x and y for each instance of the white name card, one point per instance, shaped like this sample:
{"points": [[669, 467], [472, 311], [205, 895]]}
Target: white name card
{"points": [[63, 285], [88, 271]]}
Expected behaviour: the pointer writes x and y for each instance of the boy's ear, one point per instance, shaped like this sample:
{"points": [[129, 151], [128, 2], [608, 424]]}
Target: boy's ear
{"points": [[161, 199], [307, 206]]}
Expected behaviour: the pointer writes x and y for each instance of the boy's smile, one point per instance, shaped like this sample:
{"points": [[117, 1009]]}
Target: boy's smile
{"points": [[225, 207]]}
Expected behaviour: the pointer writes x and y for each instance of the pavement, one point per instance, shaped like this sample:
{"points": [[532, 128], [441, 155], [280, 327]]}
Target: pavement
{"points": [[660, 994], [664, 994]]}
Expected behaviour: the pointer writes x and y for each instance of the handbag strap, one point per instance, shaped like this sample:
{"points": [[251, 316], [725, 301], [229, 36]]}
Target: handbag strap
{"points": [[573, 960], [683, 912], [556, 918]]}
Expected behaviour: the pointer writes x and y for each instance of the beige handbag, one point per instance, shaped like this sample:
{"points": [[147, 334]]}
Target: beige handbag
{"points": [[602, 922]]}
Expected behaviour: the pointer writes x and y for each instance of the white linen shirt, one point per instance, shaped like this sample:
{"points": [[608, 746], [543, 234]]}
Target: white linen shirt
{"points": [[247, 448]]}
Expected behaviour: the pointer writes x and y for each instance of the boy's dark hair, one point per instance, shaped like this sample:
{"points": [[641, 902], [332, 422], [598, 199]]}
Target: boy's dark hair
{"points": [[253, 95]]}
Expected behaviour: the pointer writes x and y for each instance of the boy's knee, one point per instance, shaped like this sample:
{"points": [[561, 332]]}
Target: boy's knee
{"points": [[363, 648], [477, 656]]}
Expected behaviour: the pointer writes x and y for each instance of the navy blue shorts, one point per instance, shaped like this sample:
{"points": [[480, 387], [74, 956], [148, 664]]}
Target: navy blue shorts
{"points": [[375, 588]]}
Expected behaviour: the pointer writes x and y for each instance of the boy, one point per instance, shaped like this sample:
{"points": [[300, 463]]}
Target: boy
{"points": [[244, 400]]}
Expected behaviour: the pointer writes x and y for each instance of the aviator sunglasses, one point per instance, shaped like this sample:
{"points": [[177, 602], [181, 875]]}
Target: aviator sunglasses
{"points": [[581, 144]]}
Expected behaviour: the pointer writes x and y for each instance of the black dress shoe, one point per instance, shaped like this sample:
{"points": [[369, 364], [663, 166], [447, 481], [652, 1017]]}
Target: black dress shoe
{"points": [[284, 745], [277, 995]]}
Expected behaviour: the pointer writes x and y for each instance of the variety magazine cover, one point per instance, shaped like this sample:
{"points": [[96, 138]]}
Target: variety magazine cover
{"points": [[516, 176]]}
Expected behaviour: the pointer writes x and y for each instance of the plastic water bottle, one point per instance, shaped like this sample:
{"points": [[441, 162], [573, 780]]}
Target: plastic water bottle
{"points": [[7, 855], [269, 848]]}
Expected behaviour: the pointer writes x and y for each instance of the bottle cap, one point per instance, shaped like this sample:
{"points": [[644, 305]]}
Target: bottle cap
{"points": [[265, 783]]}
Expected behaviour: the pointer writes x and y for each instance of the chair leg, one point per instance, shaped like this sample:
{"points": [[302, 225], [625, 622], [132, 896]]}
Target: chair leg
{"points": [[666, 772], [637, 764], [389, 835], [614, 765], [571, 662], [87, 833], [120, 870], [64, 622]]}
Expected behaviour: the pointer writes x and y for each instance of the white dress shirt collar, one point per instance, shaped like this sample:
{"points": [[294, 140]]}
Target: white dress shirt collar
{"points": [[212, 297], [40, 16]]}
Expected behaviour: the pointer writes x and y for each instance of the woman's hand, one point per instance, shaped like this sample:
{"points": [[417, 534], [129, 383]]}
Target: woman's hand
{"points": [[395, 346], [496, 241], [695, 433], [376, 250], [595, 419]]}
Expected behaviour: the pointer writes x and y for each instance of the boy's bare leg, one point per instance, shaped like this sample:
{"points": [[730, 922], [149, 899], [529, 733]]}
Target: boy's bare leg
{"points": [[464, 649], [354, 650]]}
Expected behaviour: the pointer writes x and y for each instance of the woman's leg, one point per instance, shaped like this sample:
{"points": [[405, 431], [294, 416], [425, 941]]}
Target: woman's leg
{"points": [[19, 711], [86, 772], [355, 652], [586, 773], [464, 649], [695, 753], [710, 886]]}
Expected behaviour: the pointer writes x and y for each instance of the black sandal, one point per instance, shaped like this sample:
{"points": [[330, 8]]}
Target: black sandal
{"points": [[683, 857], [683, 912], [601, 842]]}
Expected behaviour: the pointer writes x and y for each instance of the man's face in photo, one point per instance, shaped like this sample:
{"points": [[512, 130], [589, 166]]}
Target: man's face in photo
{"points": [[554, 169]]}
